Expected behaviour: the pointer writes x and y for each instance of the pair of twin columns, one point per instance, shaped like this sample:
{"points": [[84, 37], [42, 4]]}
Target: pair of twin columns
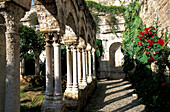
{"points": [[77, 69]]}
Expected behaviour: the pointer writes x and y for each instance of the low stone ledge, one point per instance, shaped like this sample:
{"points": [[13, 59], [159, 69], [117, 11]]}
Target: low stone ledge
{"points": [[76, 103]]}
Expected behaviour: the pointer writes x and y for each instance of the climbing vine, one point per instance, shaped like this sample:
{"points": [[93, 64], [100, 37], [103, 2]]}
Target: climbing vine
{"points": [[110, 12]]}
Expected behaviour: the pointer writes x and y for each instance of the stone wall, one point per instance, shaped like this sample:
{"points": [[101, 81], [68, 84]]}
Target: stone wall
{"points": [[107, 37], [156, 11], [76, 102]]}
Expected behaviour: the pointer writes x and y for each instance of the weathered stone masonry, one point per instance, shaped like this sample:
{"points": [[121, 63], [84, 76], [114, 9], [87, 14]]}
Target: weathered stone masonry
{"points": [[156, 11]]}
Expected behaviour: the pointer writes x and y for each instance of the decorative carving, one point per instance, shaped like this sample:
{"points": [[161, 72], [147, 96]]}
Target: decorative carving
{"points": [[69, 35], [12, 15], [47, 20]]}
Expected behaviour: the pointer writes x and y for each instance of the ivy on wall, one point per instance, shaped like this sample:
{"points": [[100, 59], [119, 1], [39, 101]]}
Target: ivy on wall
{"points": [[109, 11]]}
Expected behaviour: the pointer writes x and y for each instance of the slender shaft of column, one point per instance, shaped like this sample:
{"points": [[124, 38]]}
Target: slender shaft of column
{"points": [[57, 71], [75, 75], [69, 71], [87, 68], [90, 68], [94, 64], [49, 76], [2, 68], [79, 66], [84, 81]]}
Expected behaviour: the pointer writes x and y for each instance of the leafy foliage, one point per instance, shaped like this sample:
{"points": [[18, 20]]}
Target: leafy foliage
{"points": [[30, 40], [99, 48]]}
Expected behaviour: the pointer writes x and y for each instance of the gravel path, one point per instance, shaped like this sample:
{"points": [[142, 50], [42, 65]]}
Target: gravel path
{"points": [[113, 96]]}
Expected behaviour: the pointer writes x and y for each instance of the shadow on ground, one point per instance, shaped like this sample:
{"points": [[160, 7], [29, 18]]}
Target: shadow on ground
{"points": [[113, 96]]}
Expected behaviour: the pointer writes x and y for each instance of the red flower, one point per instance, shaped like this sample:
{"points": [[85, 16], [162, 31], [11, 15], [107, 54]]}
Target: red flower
{"points": [[151, 60], [153, 36], [150, 42], [163, 84], [148, 46], [141, 43], [147, 52], [146, 29], [144, 37], [154, 54], [138, 43], [137, 35], [161, 42], [150, 32], [140, 38], [142, 33]]}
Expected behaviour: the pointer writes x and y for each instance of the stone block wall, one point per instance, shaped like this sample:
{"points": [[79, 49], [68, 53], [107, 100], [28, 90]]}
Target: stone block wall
{"points": [[158, 11], [75, 103]]}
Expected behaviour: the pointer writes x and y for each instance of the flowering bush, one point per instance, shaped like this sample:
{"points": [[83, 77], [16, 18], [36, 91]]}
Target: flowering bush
{"points": [[142, 48], [150, 45]]}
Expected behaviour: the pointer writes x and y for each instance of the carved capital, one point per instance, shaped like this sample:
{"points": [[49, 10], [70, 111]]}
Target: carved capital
{"points": [[56, 37], [12, 15], [93, 50], [79, 49], [48, 40]]}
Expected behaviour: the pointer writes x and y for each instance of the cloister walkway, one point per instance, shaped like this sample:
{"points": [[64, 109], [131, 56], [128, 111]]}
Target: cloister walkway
{"points": [[113, 96]]}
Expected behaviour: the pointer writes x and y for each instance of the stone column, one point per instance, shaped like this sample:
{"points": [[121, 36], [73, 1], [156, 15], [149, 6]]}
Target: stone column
{"points": [[57, 68], [2, 64], [13, 15], [37, 64], [75, 75], [22, 67], [79, 66], [69, 70], [84, 81], [87, 68], [49, 76], [94, 64], [90, 63]]}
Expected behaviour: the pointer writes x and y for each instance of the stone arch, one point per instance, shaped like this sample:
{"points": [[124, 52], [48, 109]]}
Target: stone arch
{"points": [[89, 35], [2, 63], [82, 20], [88, 39], [115, 55], [71, 22], [82, 33], [71, 16]]}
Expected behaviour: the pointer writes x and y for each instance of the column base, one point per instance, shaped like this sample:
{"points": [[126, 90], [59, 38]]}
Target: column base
{"points": [[53, 106], [89, 80], [83, 85], [68, 90], [71, 95]]}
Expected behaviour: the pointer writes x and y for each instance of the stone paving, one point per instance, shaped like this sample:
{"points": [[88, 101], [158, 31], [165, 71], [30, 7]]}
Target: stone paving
{"points": [[114, 96]]}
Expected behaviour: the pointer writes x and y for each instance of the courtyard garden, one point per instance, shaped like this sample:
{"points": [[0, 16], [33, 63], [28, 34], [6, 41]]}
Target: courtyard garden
{"points": [[146, 59]]}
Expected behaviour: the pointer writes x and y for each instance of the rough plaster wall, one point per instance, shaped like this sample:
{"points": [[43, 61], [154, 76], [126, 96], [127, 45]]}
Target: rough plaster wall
{"points": [[158, 11]]}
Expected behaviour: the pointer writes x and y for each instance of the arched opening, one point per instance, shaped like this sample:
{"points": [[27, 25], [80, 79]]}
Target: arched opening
{"points": [[115, 55], [71, 22], [2, 63], [82, 33]]}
